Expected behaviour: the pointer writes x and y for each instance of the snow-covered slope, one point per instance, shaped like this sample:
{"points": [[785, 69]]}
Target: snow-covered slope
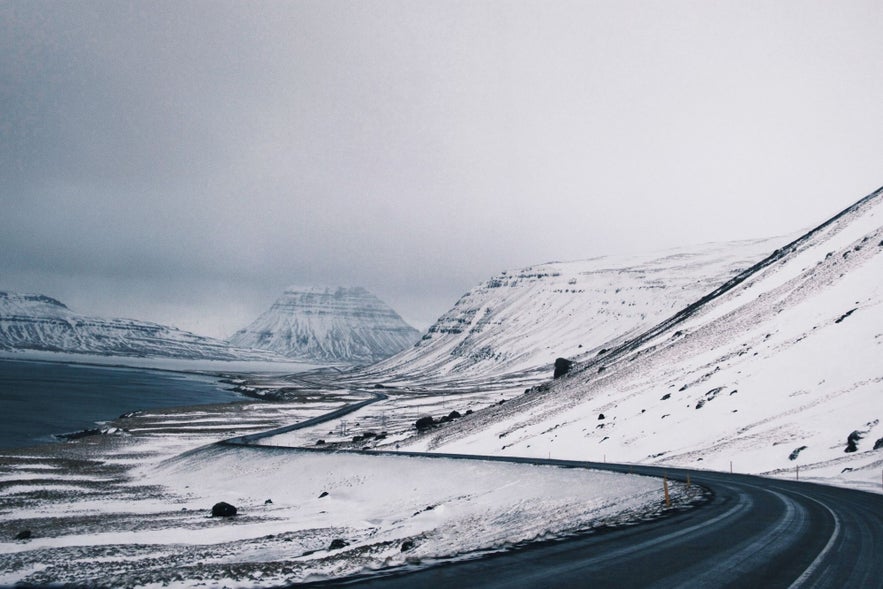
{"points": [[38, 322], [779, 368], [342, 325], [520, 321]]}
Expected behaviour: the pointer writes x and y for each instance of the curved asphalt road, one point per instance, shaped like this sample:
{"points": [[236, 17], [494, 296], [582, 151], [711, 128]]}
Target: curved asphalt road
{"points": [[754, 532]]}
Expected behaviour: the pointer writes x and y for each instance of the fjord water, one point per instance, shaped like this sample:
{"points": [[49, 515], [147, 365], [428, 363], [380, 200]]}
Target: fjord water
{"points": [[39, 399]]}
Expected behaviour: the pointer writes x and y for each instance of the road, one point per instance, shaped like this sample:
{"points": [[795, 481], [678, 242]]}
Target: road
{"points": [[754, 532]]}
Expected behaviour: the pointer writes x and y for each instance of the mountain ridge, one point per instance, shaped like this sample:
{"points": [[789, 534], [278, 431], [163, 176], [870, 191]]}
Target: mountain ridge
{"points": [[519, 321], [778, 368], [36, 322], [346, 325]]}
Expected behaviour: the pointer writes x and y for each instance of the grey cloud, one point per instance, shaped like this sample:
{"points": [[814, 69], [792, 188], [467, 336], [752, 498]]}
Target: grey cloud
{"points": [[232, 148]]}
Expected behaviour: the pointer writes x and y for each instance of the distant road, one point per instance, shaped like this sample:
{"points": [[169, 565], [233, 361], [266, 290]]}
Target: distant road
{"points": [[755, 532]]}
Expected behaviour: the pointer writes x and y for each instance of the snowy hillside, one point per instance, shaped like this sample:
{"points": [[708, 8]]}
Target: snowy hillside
{"points": [[522, 320], [777, 369], [342, 325], [38, 322]]}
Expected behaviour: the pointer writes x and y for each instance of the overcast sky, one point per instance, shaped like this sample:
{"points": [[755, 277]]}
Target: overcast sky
{"points": [[184, 162]]}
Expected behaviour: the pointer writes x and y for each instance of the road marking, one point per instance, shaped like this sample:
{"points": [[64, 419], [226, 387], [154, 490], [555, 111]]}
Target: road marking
{"points": [[817, 562], [744, 505]]}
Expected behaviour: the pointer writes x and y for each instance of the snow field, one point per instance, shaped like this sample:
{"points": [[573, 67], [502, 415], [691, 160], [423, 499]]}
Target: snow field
{"points": [[788, 361], [442, 508]]}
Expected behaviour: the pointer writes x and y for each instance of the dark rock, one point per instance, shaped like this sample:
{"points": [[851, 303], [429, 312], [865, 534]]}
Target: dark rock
{"points": [[223, 509], [845, 315], [24, 535], [601, 416], [323, 494], [878, 444], [338, 543], [454, 415], [700, 403], [851, 441], [379, 386], [407, 545], [601, 369], [268, 502], [424, 423], [666, 396], [469, 412], [357, 438], [80, 434], [320, 443], [562, 367], [796, 453]]}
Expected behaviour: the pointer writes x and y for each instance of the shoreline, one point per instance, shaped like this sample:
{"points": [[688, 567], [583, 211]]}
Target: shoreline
{"points": [[200, 367], [220, 381]]}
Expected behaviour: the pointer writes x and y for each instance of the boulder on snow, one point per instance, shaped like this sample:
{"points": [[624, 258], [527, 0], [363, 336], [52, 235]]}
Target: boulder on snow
{"points": [[851, 441], [562, 367], [24, 535], [794, 454], [878, 444], [338, 543], [424, 423], [223, 509], [407, 545]]}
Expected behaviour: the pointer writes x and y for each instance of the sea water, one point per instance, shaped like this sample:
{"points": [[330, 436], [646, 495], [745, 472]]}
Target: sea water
{"points": [[40, 399]]}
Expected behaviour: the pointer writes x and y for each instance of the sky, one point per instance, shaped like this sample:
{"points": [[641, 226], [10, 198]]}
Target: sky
{"points": [[184, 162]]}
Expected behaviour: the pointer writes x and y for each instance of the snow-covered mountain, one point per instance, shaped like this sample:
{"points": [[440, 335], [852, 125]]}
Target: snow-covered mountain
{"points": [[38, 322], [324, 325], [779, 368], [520, 321]]}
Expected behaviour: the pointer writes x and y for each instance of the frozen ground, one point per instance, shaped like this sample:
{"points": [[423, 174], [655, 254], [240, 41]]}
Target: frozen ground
{"points": [[130, 508]]}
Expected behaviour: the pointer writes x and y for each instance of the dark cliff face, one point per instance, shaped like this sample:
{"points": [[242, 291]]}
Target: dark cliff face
{"points": [[341, 325]]}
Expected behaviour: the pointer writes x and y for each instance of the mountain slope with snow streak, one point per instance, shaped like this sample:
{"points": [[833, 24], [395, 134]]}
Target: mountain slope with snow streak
{"points": [[323, 325], [520, 321], [776, 371], [41, 323]]}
